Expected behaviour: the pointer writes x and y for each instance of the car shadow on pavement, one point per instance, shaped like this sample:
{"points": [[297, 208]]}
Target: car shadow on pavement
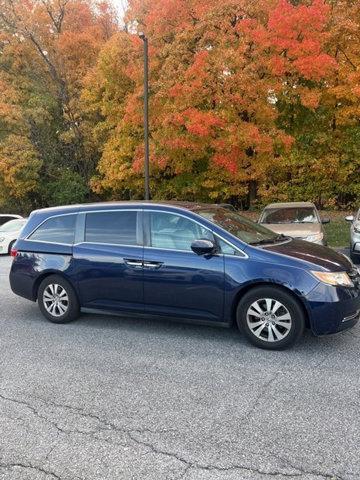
{"points": [[165, 329]]}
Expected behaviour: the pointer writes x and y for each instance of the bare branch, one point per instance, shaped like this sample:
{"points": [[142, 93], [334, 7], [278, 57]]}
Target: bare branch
{"points": [[57, 19]]}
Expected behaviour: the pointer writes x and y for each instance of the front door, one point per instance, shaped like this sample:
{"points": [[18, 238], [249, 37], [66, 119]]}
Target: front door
{"points": [[177, 282], [109, 260]]}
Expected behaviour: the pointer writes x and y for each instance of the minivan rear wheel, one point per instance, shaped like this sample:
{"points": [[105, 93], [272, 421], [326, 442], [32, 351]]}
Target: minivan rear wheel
{"points": [[57, 300], [270, 318]]}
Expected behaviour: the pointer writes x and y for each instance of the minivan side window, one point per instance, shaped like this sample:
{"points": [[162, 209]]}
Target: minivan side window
{"points": [[116, 228], [175, 232], [60, 229]]}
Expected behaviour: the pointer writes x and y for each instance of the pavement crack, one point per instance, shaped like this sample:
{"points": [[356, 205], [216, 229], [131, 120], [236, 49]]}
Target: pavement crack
{"points": [[303, 471], [28, 466], [263, 390], [33, 410], [103, 425], [133, 434]]}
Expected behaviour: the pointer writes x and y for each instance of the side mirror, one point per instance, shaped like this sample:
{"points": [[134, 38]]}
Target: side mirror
{"points": [[203, 247], [325, 220], [349, 218]]}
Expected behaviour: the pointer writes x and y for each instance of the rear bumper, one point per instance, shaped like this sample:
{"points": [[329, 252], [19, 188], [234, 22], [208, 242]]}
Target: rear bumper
{"points": [[333, 309], [22, 285]]}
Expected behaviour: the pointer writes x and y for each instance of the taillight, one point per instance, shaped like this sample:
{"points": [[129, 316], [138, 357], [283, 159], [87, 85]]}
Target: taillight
{"points": [[13, 252]]}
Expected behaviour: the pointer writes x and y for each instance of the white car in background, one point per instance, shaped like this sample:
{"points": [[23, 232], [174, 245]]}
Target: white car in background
{"points": [[9, 233], [7, 217]]}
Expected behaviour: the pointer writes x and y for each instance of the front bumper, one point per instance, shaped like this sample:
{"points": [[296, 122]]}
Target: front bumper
{"points": [[333, 309]]}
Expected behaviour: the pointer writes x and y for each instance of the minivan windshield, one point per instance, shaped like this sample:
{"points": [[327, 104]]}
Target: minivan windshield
{"points": [[286, 215], [239, 226]]}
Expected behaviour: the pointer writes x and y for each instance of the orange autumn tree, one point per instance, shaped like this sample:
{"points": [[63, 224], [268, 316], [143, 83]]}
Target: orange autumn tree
{"points": [[47, 47], [324, 163], [219, 71], [249, 101]]}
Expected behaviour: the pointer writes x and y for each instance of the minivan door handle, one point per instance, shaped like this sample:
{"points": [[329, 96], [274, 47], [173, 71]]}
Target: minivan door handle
{"points": [[132, 262], [152, 265]]}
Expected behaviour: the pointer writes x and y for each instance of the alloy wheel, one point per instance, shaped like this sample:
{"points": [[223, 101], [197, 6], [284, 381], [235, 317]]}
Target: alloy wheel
{"points": [[269, 320], [56, 300]]}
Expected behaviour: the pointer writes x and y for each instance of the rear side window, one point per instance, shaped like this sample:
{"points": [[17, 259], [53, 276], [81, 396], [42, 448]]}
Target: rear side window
{"points": [[56, 230], [117, 228]]}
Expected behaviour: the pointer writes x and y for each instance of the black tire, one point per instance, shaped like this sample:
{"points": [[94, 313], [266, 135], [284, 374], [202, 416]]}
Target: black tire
{"points": [[11, 246], [283, 334], [354, 258], [71, 305]]}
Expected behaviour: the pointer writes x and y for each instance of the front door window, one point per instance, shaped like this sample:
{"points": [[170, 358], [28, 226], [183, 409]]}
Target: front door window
{"points": [[175, 232]]}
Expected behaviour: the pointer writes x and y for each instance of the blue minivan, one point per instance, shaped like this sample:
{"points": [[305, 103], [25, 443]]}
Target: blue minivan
{"points": [[189, 261]]}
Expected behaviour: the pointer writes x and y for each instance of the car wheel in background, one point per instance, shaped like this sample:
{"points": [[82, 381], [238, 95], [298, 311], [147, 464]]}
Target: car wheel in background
{"points": [[270, 318], [11, 246], [354, 257], [57, 300]]}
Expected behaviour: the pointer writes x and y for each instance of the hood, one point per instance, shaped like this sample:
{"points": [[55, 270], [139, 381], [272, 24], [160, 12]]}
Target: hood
{"points": [[299, 230], [316, 254]]}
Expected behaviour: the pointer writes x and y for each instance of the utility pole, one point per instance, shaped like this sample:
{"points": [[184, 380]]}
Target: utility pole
{"points": [[146, 115]]}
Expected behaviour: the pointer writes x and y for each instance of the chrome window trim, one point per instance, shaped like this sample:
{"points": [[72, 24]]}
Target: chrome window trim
{"points": [[45, 220], [51, 243], [78, 213], [237, 249], [179, 213], [243, 254]]}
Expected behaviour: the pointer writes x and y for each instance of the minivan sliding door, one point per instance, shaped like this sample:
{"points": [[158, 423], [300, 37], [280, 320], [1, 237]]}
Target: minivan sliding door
{"points": [[108, 260]]}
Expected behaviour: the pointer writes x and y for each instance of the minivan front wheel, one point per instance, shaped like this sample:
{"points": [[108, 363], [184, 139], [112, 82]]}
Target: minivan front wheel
{"points": [[270, 318], [57, 300]]}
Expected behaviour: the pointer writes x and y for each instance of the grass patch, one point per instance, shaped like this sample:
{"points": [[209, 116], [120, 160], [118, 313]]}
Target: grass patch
{"points": [[338, 233]]}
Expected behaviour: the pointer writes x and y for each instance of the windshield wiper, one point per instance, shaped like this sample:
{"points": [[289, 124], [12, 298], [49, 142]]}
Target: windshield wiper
{"points": [[278, 238], [263, 241]]}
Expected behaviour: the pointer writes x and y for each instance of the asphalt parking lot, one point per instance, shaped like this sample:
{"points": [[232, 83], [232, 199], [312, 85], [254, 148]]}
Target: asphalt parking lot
{"points": [[113, 398]]}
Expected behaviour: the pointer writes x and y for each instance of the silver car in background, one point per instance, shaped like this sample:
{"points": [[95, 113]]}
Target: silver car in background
{"points": [[295, 219], [354, 236]]}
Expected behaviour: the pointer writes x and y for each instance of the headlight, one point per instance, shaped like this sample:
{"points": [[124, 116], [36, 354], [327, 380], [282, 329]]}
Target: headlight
{"points": [[315, 238], [334, 278], [2, 239]]}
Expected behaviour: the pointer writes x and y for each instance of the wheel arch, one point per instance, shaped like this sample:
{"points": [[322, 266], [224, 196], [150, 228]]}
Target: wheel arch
{"points": [[300, 301], [49, 273]]}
